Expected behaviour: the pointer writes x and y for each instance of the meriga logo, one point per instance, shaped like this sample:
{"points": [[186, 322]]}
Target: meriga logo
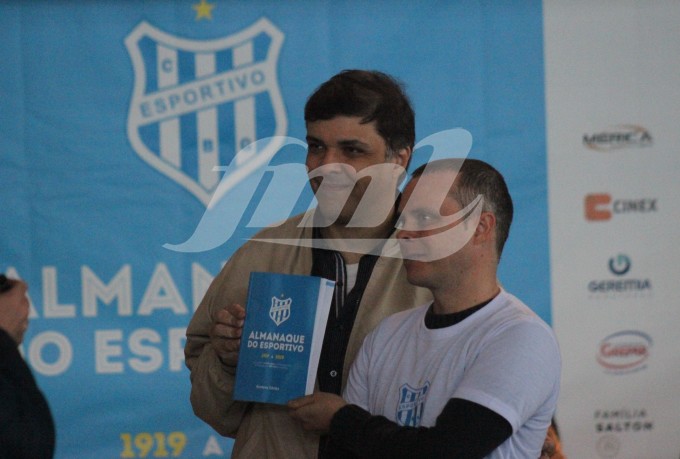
{"points": [[618, 137]]}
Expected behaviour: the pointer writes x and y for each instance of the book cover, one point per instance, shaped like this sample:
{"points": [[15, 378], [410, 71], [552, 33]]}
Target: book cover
{"points": [[283, 333]]}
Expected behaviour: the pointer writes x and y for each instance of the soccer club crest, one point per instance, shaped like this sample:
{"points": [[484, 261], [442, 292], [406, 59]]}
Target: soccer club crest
{"points": [[197, 103], [411, 405], [279, 312]]}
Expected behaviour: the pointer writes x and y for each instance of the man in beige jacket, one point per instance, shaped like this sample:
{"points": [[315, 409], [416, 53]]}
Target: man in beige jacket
{"points": [[360, 130]]}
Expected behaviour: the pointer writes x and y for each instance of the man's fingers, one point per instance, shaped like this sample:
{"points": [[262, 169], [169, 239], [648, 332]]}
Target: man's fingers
{"points": [[300, 402], [224, 345], [224, 317], [225, 332], [226, 342], [237, 311], [227, 351]]}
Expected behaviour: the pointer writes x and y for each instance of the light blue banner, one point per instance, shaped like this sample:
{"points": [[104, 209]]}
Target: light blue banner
{"points": [[113, 116]]}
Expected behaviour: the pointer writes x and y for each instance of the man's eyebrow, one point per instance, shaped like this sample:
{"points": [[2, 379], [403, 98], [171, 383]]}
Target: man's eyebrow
{"points": [[311, 138], [341, 143], [353, 143]]}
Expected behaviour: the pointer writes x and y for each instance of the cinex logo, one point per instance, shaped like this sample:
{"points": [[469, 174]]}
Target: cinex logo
{"points": [[602, 207]]}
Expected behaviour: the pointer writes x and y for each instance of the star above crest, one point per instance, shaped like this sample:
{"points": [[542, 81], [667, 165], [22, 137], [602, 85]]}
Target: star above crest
{"points": [[203, 10]]}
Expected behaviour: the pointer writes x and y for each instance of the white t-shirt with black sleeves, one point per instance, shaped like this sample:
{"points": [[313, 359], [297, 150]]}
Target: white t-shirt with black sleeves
{"points": [[503, 357]]}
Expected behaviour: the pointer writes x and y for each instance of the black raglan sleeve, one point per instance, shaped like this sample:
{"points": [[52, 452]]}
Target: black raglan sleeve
{"points": [[464, 429]]}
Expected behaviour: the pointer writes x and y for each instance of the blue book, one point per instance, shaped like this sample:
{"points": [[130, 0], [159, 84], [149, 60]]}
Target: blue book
{"points": [[283, 333]]}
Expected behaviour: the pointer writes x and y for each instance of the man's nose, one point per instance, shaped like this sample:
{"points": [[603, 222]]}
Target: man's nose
{"points": [[330, 156], [330, 162], [403, 234]]}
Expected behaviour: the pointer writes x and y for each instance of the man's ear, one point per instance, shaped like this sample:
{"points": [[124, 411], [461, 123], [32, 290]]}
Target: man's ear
{"points": [[402, 157], [486, 228]]}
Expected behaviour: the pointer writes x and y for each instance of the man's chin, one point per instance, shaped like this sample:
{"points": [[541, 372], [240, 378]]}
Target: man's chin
{"points": [[325, 219], [333, 212], [413, 273]]}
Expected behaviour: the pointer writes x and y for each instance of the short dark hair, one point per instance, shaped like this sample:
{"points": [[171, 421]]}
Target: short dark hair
{"points": [[371, 95], [477, 177]]}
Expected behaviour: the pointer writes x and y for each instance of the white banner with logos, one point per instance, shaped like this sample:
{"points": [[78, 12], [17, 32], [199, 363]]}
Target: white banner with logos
{"points": [[613, 105]]}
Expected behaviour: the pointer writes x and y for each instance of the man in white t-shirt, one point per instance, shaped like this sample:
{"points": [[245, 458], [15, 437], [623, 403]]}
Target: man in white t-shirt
{"points": [[473, 374]]}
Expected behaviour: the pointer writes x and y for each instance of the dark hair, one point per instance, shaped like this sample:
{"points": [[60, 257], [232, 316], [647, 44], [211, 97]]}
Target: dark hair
{"points": [[477, 177], [371, 95]]}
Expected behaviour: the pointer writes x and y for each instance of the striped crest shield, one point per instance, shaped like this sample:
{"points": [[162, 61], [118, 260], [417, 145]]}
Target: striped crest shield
{"points": [[197, 103], [411, 405], [279, 312]]}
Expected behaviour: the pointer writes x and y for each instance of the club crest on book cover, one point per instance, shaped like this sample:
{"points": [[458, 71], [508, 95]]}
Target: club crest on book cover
{"points": [[279, 311]]}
